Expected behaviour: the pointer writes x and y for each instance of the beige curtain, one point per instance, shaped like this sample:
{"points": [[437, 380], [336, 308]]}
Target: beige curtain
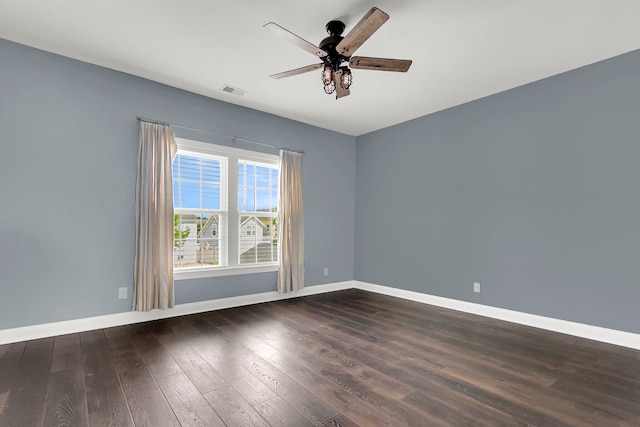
{"points": [[153, 272], [290, 223]]}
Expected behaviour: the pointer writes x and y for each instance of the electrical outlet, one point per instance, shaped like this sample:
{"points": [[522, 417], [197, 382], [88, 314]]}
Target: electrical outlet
{"points": [[476, 287], [326, 271], [122, 293]]}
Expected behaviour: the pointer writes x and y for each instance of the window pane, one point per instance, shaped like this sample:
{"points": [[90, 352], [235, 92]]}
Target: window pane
{"points": [[259, 195], [246, 199], [211, 170], [262, 177], [263, 201], [197, 185], [196, 242], [197, 182], [189, 167], [248, 243], [210, 196], [187, 195], [267, 252], [258, 239], [184, 229], [250, 179]]}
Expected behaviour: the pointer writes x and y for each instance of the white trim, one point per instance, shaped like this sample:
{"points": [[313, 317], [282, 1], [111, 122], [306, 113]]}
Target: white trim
{"points": [[597, 333], [25, 333], [212, 149], [611, 336], [199, 273]]}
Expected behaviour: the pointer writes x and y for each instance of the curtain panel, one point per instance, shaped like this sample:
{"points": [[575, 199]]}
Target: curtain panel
{"points": [[153, 270], [290, 223]]}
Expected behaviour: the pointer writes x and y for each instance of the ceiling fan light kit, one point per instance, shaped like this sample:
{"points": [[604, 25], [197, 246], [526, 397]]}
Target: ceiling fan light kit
{"points": [[332, 78], [336, 50]]}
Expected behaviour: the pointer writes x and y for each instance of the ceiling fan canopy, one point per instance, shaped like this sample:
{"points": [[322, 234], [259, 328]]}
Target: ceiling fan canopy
{"points": [[336, 50]]}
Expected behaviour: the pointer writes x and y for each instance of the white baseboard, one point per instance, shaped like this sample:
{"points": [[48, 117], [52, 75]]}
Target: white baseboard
{"points": [[107, 321], [611, 336], [597, 333]]}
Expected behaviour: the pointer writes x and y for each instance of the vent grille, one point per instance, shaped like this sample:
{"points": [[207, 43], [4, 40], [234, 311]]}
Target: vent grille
{"points": [[233, 90]]}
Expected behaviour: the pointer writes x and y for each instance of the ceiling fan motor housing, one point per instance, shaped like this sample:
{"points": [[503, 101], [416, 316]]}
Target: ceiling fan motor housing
{"points": [[328, 44]]}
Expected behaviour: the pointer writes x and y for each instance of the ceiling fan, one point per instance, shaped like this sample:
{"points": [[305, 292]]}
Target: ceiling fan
{"points": [[336, 50]]}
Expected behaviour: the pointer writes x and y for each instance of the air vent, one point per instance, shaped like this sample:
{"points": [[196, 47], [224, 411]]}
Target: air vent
{"points": [[233, 90]]}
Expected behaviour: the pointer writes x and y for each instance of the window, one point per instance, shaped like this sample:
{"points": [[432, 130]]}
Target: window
{"points": [[225, 210], [258, 210]]}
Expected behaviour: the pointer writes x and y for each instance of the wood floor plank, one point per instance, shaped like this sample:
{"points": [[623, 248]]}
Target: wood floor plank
{"points": [[342, 399], [158, 361], [25, 404], [106, 403], [66, 403], [551, 409], [339, 366], [187, 402], [434, 406], [279, 413], [305, 402], [249, 386], [319, 351], [233, 409], [587, 395], [203, 376], [147, 404], [146, 401], [341, 421], [9, 361], [251, 339], [67, 353], [219, 357]]}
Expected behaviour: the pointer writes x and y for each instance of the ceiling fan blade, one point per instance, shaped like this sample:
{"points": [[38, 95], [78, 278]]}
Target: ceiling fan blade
{"points": [[382, 64], [368, 25], [298, 41], [340, 91], [296, 71]]}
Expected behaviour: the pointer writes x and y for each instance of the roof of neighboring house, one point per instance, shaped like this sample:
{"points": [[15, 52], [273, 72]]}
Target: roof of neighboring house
{"points": [[253, 217], [211, 220]]}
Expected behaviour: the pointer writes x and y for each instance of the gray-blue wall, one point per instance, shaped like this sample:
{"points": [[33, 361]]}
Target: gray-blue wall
{"points": [[68, 154], [534, 193]]}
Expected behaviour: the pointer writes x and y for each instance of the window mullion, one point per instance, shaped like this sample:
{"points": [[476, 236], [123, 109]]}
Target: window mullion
{"points": [[233, 217], [201, 183]]}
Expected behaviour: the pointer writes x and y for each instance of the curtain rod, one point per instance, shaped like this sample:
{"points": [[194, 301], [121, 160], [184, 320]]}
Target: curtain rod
{"points": [[232, 138]]}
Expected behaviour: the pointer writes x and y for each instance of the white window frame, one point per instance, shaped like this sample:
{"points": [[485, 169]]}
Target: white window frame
{"points": [[232, 215]]}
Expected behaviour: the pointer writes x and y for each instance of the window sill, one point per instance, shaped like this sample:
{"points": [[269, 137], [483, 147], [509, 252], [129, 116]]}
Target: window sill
{"points": [[223, 271]]}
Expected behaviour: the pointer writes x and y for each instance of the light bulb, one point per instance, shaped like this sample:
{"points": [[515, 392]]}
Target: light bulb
{"points": [[327, 74]]}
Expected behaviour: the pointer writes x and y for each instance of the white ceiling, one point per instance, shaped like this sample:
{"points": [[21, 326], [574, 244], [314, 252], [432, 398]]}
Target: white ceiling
{"points": [[461, 49]]}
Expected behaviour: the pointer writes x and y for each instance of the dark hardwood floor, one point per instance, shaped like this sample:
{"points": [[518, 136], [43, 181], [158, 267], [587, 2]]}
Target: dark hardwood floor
{"points": [[346, 358]]}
